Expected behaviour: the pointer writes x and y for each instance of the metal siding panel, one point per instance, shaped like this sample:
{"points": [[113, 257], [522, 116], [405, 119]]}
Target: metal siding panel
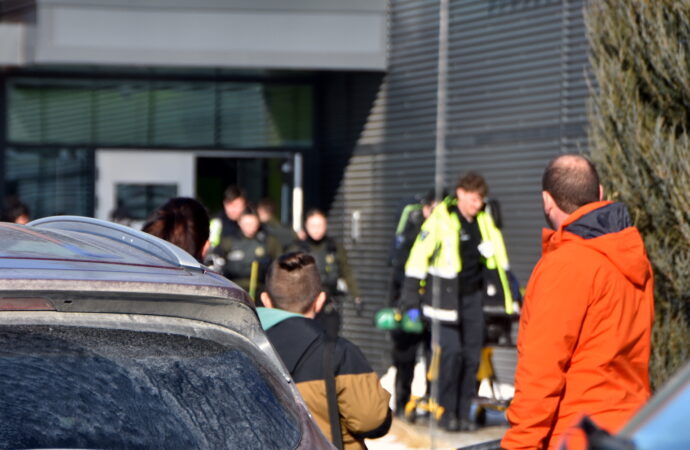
{"points": [[517, 97], [378, 177], [517, 79]]}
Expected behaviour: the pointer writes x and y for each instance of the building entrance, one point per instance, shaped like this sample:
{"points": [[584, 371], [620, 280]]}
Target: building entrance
{"points": [[132, 183], [260, 177]]}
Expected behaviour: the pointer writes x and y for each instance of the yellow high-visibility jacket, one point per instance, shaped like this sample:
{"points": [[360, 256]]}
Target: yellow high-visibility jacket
{"points": [[436, 252]]}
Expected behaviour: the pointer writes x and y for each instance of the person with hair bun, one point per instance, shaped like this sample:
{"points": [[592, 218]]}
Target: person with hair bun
{"points": [[184, 222], [337, 383]]}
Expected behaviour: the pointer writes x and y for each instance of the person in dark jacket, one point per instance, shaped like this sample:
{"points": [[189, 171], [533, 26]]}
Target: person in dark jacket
{"points": [[225, 223], [237, 257], [405, 345], [293, 297], [15, 211], [184, 222], [334, 269]]}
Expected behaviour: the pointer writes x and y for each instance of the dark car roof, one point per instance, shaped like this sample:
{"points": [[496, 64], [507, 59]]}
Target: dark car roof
{"points": [[87, 259]]}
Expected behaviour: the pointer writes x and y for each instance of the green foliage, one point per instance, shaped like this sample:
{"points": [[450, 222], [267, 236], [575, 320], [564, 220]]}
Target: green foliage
{"points": [[639, 120], [670, 351]]}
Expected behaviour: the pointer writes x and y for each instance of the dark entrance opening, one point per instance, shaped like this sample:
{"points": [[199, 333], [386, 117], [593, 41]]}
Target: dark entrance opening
{"points": [[259, 177]]}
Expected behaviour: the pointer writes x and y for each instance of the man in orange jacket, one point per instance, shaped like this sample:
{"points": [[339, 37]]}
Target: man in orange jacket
{"points": [[585, 329]]}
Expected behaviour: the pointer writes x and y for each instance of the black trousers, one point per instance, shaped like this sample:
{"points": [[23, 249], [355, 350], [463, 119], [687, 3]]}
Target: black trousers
{"points": [[405, 346], [461, 346]]}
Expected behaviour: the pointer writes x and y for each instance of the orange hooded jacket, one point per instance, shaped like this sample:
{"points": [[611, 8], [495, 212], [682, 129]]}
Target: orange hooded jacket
{"points": [[585, 329]]}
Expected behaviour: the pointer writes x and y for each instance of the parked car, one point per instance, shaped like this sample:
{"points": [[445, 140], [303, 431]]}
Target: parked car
{"points": [[112, 338]]}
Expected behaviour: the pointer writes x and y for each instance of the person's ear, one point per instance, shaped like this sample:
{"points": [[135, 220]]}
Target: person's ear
{"points": [[548, 202], [319, 302], [266, 300], [601, 192]]}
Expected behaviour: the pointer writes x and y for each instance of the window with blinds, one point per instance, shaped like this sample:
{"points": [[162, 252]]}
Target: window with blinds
{"points": [[51, 181], [159, 114]]}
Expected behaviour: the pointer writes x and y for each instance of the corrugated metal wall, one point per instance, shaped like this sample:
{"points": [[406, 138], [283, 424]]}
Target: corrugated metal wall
{"points": [[516, 98], [517, 93]]}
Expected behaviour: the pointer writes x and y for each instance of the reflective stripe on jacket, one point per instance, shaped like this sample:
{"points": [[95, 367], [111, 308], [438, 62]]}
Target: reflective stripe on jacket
{"points": [[437, 248]]}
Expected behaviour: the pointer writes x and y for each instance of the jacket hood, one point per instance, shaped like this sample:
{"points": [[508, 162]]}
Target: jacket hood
{"points": [[606, 228], [273, 316], [291, 334]]}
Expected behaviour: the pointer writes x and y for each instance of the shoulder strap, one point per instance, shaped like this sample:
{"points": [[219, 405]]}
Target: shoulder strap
{"points": [[331, 394]]}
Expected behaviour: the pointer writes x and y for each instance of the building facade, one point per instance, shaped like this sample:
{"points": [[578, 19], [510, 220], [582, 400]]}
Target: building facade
{"points": [[118, 105]]}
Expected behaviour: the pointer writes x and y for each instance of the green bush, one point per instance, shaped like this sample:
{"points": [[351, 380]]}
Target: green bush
{"points": [[639, 117]]}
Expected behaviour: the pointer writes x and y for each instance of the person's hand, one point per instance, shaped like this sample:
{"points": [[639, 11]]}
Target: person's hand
{"points": [[359, 306], [413, 314], [486, 248], [516, 308]]}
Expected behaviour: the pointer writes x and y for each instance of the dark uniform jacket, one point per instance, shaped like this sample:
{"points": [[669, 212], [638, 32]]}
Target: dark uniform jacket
{"points": [[283, 234], [363, 403], [331, 259], [239, 252]]}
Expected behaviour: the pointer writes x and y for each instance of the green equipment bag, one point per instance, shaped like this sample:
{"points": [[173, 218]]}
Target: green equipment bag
{"points": [[387, 319], [412, 325]]}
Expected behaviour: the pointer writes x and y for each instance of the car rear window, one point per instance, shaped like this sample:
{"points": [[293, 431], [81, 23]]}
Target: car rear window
{"points": [[40, 243], [70, 387]]}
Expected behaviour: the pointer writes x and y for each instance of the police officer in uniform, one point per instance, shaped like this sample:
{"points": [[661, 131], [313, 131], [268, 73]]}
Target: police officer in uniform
{"points": [[334, 269], [225, 223], [252, 250]]}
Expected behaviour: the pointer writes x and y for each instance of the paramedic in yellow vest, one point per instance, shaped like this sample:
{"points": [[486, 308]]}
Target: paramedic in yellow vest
{"points": [[457, 243]]}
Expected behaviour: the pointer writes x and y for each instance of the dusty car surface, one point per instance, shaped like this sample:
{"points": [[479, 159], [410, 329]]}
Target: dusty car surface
{"points": [[112, 338]]}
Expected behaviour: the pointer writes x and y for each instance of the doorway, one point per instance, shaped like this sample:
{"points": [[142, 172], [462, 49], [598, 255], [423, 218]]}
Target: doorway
{"points": [[138, 181], [268, 177]]}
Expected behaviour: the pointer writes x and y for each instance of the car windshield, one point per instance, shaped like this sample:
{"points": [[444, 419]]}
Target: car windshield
{"points": [[72, 387]]}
